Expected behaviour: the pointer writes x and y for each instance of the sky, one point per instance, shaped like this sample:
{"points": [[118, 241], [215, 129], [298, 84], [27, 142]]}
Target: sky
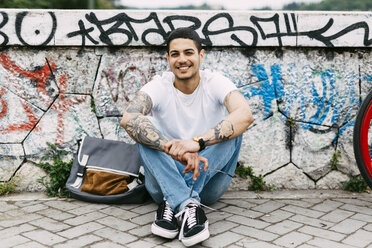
{"points": [[228, 4]]}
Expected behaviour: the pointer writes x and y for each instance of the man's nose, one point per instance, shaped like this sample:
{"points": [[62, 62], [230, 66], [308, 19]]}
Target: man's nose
{"points": [[182, 58]]}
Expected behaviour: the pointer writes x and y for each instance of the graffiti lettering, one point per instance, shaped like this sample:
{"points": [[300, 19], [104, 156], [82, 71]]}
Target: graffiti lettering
{"points": [[123, 29], [2, 24], [18, 27], [291, 29], [117, 22], [327, 40], [84, 34], [277, 34], [324, 103]]}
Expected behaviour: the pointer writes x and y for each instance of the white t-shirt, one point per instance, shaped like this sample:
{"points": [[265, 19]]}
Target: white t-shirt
{"points": [[182, 116]]}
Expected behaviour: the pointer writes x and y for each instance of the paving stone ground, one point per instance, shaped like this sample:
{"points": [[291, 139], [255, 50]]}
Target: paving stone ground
{"points": [[301, 219]]}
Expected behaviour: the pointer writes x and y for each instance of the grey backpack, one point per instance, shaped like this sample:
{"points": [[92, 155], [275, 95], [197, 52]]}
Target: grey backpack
{"points": [[107, 171]]}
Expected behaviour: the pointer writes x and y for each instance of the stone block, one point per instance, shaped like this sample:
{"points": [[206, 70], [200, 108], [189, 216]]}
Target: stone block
{"points": [[346, 162], [11, 157], [292, 239], [313, 150], [239, 64], [17, 117], [44, 237], [239, 184], [289, 177], [27, 74], [322, 233], [359, 239], [121, 75], [111, 129], [265, 145], [317, 89], [365, 73], [64, 124], [333, 180], [27, 177], [75, 69]]}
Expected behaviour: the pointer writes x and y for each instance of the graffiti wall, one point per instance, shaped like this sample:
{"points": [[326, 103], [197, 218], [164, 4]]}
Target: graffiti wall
{"points": [[65, 74]]}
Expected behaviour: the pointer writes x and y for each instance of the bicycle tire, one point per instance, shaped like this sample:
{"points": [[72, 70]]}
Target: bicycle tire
{"points": [[360, 139]]}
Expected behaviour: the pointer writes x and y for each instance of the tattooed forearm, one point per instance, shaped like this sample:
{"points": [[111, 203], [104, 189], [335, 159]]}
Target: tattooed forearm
{"points": [[144, 132], [224, 130], [140, 104]]}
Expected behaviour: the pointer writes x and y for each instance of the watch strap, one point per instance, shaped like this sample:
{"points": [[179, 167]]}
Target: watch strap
{"points": [[200, 141]]}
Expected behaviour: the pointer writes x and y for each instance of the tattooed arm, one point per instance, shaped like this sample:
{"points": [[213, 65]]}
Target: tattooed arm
{"points": [[138, 126], [238, 120]]}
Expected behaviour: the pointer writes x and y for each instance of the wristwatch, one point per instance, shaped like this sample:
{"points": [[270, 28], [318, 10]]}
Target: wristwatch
{"points": [[201, 142]]}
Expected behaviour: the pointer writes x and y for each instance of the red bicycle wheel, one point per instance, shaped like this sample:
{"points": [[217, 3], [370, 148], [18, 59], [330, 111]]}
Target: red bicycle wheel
{"points": [[363, 139]]}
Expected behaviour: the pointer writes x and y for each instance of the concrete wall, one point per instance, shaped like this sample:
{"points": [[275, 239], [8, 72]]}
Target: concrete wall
{"points": [[68, 73]]}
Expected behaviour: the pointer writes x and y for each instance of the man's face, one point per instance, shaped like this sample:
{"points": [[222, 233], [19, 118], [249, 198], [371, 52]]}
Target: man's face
{"points": [[184, 59]]}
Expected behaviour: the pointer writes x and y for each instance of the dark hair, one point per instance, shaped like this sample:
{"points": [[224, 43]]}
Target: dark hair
{"points": [[184, 33]]}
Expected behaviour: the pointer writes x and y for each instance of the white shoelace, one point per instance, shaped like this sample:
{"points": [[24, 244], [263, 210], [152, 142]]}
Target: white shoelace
{"points": [[189, 217], [168, 212]]}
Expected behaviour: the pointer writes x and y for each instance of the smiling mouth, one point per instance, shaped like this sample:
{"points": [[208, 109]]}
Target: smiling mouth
{"points": [[183, 68]]}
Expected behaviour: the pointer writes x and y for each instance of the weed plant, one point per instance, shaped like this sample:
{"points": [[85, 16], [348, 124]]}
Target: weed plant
{"points": [[58, 172], [258, 183], [355, 184], [7, 187]]}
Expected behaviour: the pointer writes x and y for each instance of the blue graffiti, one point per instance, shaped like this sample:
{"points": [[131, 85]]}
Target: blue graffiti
{"points": [[269, 91], [327, 104]]}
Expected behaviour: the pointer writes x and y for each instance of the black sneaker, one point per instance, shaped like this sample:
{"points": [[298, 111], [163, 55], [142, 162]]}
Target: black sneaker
{"points": [[194, 227], [165, 224]]}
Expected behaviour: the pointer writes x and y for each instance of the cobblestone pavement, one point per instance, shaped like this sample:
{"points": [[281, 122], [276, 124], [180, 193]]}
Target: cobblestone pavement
{"points": [[274, 219]]}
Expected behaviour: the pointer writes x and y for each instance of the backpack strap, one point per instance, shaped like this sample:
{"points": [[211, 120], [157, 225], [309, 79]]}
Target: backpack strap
{"points": [[82, 166], [139, 180]]}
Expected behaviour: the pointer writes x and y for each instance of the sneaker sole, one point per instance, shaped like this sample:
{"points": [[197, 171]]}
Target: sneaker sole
{"points": [[168, 234], [197, 238]]}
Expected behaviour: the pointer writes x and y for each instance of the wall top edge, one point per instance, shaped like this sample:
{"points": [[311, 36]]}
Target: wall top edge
{"points": [[189, 11], [30, 27]]}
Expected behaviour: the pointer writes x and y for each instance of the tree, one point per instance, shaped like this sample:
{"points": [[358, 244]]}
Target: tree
{"points": [[55, 4], [332, 5]]}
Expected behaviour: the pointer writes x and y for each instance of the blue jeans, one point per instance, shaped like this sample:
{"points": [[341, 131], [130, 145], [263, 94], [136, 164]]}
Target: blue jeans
{"points": [[164, 179]]}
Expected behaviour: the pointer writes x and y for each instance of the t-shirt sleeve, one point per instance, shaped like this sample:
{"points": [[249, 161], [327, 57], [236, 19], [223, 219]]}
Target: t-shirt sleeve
{"points": [[224, 87], [152, 89]]}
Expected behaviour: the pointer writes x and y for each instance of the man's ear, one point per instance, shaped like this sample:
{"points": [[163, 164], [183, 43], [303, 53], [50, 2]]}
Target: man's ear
{"points": [[201, 54], [167, 56]]}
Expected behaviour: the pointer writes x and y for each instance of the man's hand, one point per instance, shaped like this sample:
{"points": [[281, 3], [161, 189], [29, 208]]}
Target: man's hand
{"points": [[178, 148], [192, 160]]}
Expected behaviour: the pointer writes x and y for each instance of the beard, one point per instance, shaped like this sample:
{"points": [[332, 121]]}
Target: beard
{"points": [[186, 77]]}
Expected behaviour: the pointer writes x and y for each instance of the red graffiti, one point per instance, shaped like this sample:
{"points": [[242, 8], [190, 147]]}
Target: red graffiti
{"points": [[41, 76], [63, 106], [32, 120], [4, 106]]}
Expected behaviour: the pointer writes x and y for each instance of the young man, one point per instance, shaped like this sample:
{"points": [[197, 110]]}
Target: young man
{"points": [[188, 132]]}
